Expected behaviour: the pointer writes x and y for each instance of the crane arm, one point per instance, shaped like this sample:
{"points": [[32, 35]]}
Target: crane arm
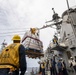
{"points": [[50, 25]]}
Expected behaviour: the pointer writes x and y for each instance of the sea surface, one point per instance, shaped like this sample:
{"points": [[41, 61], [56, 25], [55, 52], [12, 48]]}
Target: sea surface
{"points": [[32, 70]]}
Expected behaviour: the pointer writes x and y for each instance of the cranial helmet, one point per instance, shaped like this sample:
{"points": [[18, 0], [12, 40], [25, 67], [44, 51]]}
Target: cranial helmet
{"points": [[16, 37]]}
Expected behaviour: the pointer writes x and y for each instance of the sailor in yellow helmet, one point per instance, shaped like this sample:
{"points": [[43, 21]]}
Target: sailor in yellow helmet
{"points": [[12, 58], [43, 67]]}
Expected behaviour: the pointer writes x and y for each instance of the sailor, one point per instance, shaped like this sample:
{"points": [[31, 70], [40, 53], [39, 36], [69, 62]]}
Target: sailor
{"points": [[73, 63], [43, 67], [12, 58]]}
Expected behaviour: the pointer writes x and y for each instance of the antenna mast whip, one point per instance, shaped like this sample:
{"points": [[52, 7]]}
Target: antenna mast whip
{"points": [[67, 4]]}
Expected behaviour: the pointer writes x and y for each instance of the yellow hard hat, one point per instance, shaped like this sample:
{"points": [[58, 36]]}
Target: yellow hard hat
{"points": [[16, 37]]}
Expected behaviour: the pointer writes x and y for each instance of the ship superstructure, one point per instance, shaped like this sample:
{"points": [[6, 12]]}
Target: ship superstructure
{"points": [[63, 45]]}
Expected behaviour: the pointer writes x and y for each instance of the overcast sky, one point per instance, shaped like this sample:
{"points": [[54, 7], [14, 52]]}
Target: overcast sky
{"points": [[18, 16]]}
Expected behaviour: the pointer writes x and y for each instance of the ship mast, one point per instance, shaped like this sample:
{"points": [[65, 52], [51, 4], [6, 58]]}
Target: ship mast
{"points": [[3, 45], [70, 16], [67, 4]]}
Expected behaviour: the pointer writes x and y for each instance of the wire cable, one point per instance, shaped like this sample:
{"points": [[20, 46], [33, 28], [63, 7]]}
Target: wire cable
{"points": [[14, 12], [15, 28], [10, 35], [12, 32]]}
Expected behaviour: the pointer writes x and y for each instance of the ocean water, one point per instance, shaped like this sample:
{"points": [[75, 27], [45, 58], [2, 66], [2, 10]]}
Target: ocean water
{"points": [[32, 66], [31, 70]]}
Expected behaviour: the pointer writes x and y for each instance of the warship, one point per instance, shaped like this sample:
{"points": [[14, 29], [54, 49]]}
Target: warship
{"points": [[63, 45]]}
